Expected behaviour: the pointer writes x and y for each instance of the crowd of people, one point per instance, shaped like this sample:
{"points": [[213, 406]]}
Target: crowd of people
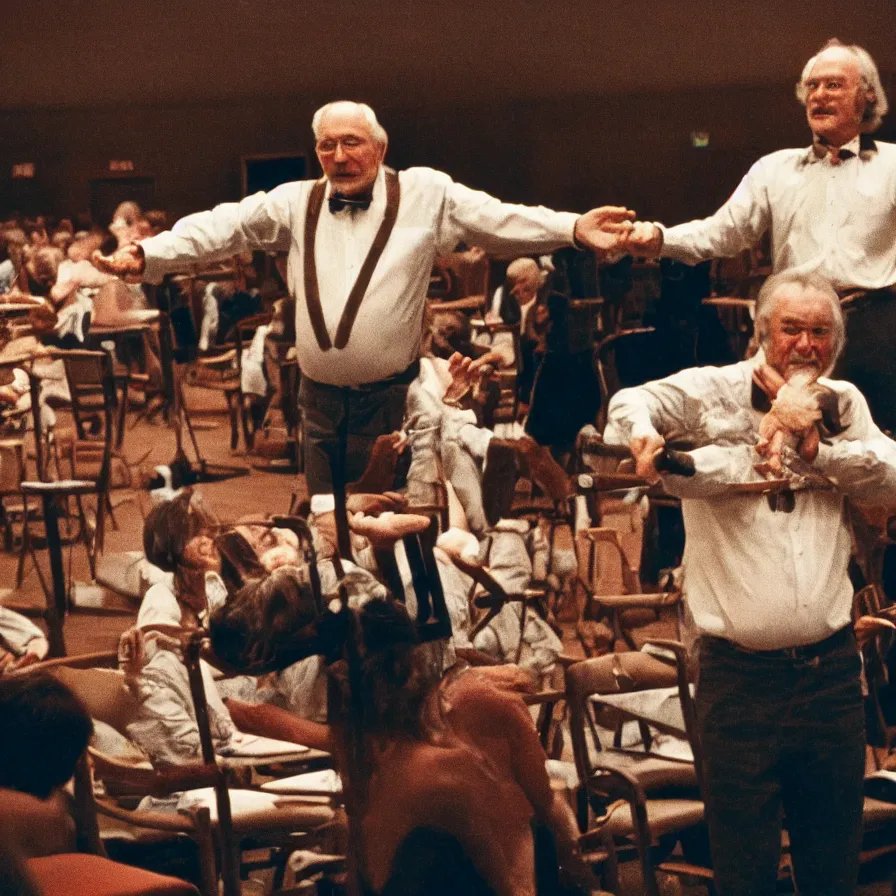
{"points": [[398, 397]]}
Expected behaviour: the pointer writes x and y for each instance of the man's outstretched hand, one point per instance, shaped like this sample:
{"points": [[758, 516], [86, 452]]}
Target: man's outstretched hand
{"points": [[605, 230], [127, 262], [645, 240]]}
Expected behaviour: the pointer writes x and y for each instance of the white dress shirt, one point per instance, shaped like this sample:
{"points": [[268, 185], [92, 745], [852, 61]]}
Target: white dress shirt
{"points": [[763, 578], [836, 219], [435, 214]]}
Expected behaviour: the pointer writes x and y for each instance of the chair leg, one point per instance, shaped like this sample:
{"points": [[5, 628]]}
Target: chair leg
{"points": [[89, 547], [205, 842], [26, 545], [232, 399]]}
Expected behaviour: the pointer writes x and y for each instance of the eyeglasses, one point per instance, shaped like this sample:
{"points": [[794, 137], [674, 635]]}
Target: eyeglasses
{"points": [[328, 146]]}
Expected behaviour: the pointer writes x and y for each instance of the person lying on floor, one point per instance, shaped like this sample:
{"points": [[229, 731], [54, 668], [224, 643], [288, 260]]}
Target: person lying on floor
{"points": [[181, 537], [22, 643], [207, 564]]}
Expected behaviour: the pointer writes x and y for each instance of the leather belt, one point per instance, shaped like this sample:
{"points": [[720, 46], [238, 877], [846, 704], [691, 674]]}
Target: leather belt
{"points": [[803, 652], [403, 378]]}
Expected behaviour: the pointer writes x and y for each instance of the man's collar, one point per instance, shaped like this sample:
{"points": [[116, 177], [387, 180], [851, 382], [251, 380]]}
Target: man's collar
{"points": [[861, 145]]}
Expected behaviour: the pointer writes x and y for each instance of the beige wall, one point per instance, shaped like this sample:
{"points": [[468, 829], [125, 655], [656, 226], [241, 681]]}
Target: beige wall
{"points": [[568, 153]]}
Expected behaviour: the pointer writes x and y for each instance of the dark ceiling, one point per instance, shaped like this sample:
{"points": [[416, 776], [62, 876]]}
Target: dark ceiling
{"points": [[99, 52]]}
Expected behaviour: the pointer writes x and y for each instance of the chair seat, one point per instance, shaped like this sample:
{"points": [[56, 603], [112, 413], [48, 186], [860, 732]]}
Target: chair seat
{"points": [[74, 874], [664, 817], [60, 487], [256, 812], [639, 601], [652, 772], [322, 783], [877, 812]]}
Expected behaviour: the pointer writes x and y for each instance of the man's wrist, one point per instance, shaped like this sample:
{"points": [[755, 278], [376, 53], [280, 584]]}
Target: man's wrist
{"points": [[576, 242]]}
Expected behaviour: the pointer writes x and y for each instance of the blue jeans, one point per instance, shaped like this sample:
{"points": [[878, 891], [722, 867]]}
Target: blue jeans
{"points": [[783, 740]]}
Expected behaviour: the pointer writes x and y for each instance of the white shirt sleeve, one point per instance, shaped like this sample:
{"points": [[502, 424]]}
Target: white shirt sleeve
{"points": [[863, 460], [478, 219], [18, 632], [262, 221]]}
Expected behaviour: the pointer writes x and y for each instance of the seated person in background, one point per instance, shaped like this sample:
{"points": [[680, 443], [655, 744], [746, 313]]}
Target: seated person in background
{"points": [[45, 730], [22, 643], [124, 222], [465, 271], [224, 305], [514, 299], [181, 537], [8, 272]]}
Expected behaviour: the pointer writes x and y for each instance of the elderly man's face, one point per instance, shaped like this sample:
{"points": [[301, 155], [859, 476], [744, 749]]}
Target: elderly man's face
{"points": [[802, 333], [835, 98], [525, 289], [348, 154]]}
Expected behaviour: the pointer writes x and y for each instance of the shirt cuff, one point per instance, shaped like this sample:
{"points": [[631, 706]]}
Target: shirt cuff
{"points": [[154, 269], [323, 504]]}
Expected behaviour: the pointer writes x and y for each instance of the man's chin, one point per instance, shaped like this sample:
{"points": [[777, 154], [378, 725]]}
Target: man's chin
{"points": [[810, 371]]}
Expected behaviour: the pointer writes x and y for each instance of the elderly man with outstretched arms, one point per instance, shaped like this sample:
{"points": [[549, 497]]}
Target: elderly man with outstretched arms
{"points": [[778, 450], [828, 208], [361, 244]]}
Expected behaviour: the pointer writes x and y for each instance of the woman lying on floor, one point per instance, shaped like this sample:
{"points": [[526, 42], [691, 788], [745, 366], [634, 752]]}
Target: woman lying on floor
{"points": [[206, 563]]}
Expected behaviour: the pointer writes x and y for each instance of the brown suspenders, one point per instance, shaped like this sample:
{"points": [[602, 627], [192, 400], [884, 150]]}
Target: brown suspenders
{"points": [[356, 296]]}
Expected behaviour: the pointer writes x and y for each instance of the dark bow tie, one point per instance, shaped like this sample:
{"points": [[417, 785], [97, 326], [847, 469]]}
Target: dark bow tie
{"points": [[338, 203]]}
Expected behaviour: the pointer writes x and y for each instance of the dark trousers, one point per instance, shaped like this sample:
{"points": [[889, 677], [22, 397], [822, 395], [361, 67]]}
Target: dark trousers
{"points": [[362, 413], [782, 736]]}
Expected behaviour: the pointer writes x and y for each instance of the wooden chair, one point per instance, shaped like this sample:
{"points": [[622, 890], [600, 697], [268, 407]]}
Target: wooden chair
{"points": [[631, 596], [650, 802], [85, 874], [221, 820], [12, 473]]}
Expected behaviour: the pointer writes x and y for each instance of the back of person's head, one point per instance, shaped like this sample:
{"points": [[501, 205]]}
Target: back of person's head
{"points": [[45, 730], [127, 213], [61, 239], [268, 624], [450, 332]]}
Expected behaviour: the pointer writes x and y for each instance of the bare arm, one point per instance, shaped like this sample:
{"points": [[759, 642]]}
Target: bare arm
{"points": [[272, 721]]}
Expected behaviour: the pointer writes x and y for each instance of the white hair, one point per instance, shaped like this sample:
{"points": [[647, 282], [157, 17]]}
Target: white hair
{"points": [[876, 105], [522, 269], [773, 290], [377, 131]]}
